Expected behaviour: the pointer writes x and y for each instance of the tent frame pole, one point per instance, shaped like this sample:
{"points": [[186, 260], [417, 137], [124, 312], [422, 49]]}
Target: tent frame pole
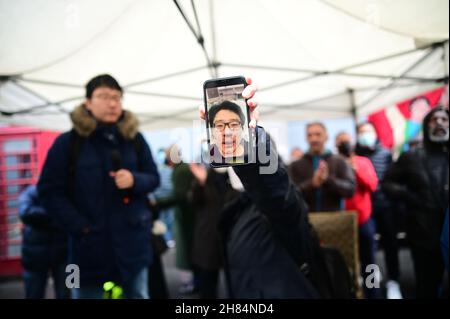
{"points": [[164, 77], [213, 66], [323, 73], [393, 81], [317, 73], [47, 102], [353, 107], [445, 60], [215, 63]]}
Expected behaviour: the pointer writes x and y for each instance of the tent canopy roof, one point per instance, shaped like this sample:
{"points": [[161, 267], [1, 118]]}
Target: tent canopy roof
{"points": [[305, 55]]}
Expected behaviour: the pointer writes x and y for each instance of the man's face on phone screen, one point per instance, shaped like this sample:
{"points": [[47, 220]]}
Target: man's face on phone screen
{"points": [[227, 131]]}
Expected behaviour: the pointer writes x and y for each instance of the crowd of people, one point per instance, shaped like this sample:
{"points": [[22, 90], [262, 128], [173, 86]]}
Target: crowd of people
{"points": [[101, 190]]}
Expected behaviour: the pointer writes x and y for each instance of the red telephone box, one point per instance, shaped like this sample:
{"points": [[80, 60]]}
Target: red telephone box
{"points": [[22, 154]]}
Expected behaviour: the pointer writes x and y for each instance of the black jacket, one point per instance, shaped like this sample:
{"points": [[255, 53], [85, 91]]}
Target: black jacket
{"points": [[340, 184], [264, 231], [208, 201], [420, 178], [117, 245]]}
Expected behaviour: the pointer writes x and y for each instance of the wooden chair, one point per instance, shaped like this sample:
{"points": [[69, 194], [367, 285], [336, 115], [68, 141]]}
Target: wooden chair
{"points": [[340, 230]]}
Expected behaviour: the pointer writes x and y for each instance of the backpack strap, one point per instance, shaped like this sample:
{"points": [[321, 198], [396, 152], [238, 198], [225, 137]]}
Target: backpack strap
{"points": [[76, 141]]}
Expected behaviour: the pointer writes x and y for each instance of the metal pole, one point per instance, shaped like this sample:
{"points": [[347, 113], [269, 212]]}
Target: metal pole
{"points": [[353, 108], [215, 63], [445, 60]]}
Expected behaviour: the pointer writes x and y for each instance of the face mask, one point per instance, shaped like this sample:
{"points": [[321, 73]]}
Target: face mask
{"points": [[441, 138], [345, 149], [368, 139], [161, 157]]}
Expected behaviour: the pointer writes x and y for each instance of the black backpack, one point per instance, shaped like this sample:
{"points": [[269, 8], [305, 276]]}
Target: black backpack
{"points": [[327, 270], [324, 266], [340, 281]]}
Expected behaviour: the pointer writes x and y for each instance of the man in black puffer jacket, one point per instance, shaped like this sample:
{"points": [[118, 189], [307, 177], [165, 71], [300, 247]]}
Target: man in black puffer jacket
{"points": [[264, 231], [420, 178]]}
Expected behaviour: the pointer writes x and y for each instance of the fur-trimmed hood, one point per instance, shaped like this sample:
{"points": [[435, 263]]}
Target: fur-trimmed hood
{"points": [[84, 123]]}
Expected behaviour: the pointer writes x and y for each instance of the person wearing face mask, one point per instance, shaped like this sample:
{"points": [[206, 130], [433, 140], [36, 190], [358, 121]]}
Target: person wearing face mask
{"points": [[369, 146], [420, 178], [361, 202]]}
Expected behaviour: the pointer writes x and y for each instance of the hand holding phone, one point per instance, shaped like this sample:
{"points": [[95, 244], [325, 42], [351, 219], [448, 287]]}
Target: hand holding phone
{"points": [[248, 94]]}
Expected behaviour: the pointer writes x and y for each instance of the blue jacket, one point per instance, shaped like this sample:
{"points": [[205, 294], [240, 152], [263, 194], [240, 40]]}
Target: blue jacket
{"points": [[44, 245], [118, 244]]}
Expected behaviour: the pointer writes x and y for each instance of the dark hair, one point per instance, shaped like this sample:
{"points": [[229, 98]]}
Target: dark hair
{"points": [[426, 123], [225, 105], [318, 124], [103, 80], [358, 127], [341, 133]]}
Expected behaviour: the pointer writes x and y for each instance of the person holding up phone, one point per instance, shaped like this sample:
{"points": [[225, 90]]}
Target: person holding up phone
{"points": [[265, 230]]}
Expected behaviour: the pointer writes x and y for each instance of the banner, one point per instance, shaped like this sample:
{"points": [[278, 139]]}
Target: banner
{"points": [[400, 124]]}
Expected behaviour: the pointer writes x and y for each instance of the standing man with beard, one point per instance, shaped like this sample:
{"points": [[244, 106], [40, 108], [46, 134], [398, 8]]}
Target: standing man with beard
{"points": [[420, 178]]}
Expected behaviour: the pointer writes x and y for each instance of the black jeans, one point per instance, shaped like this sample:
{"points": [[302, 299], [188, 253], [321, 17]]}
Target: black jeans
{"points": [[208, 282], [157, 284], [429, 271], [367, 251], [36, 282], [386, 227]]}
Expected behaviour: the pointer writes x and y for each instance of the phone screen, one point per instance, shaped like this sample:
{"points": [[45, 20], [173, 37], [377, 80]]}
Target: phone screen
{"points": [[227, 120]]}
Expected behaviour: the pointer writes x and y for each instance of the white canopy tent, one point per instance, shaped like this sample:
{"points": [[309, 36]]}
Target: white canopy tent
{"points": [[312, 59]]}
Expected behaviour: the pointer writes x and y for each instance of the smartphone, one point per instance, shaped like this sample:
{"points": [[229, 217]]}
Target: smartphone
{"points": [[227, 122]]}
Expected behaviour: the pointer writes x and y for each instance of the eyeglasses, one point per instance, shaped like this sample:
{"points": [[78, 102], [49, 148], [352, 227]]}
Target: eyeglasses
{"points": [[234, 126], [107, 97]]}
